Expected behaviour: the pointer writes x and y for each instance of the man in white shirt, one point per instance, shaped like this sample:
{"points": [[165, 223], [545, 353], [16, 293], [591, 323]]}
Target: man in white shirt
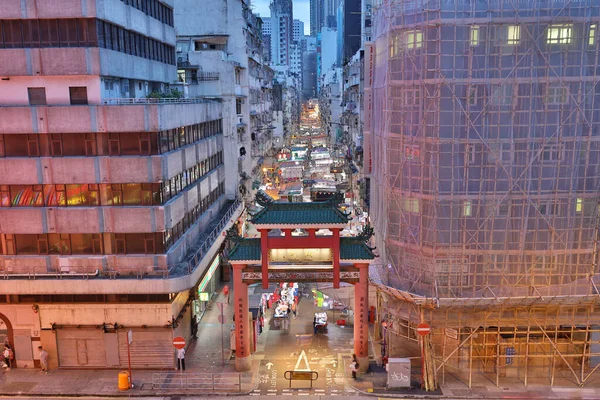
{"points": [[181, 359]]}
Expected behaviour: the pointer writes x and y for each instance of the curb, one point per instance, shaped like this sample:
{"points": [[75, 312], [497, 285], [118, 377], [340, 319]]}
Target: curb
{"points": [[134, 393]]}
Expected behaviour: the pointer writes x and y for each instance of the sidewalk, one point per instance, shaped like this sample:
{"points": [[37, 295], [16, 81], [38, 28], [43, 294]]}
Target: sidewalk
{"points": [[374, 383], [203, 357]]}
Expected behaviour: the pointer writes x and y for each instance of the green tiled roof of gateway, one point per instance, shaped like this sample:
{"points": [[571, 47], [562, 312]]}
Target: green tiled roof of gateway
{"points": [[299, 214], [246, 250], [350, 249], [353, 249]]}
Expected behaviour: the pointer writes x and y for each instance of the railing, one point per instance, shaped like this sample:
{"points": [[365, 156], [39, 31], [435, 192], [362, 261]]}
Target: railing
{"points": [[87, 272], [207, 382], [130, 101], [189, 266], [208, 76]]}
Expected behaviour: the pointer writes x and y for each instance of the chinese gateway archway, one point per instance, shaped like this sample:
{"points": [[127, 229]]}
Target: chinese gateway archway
{"points": [[280, 256]]}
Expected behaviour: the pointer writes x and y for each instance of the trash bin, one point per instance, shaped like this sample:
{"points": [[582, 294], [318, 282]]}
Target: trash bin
{"points": [[398, 373], [124, 383]]}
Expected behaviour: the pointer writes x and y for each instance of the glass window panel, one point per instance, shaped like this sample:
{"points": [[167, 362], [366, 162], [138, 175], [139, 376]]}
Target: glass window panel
{"points": [[82, 244], [78, 195], [31, 33], [132, 194], [135, 243], [27, 244], [16, 146], [22, 196], [130, 144]]}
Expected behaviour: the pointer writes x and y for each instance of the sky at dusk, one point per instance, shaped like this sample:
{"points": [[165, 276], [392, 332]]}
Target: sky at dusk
{"points": [[301, 11]]}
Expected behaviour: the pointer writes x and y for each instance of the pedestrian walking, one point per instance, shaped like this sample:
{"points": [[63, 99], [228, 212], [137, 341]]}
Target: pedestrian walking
{"points": [[8, 355], [315, 325], [354, 366], [43, 359], [181, 359], [294, 310], [195, 323]]}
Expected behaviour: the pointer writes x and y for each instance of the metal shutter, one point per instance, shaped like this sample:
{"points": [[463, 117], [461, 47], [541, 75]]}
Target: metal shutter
{"points": [[151, 348], [81, 348]]}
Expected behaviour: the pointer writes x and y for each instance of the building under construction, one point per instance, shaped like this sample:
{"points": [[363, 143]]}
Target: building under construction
{"points": [[482, 153]]}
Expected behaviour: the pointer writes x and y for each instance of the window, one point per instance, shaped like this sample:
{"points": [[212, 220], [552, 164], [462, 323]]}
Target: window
{"points": [[412, 152], [238, 106], [549, 208], [470, 153], [474, 35], [556, 94], [472, 95], [545, 262], [579, 205], [506, 152], [412, 97], [592, 35], [411, 205], [78, 95], [37, 96], [502, 95], [467, 209], [413, 39], [238, 77], [551, 153], [559, 34], [513, 34], [503, 209]]}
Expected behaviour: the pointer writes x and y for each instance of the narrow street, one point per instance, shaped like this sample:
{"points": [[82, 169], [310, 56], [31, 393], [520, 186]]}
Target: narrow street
{"points": [[298, 348]]}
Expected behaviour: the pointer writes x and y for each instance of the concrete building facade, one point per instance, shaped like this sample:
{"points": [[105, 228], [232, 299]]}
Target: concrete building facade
{"points": [[482, 152], [282, 31], [112, 185], [241, 79]]}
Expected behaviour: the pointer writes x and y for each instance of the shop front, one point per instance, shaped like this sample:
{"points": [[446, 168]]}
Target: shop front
{"points": [[207, 288]]}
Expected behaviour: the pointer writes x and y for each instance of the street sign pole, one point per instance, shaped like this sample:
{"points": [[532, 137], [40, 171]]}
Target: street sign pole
{"points": [[423, 330], [222, 344], [129, 341], [222, 322]]}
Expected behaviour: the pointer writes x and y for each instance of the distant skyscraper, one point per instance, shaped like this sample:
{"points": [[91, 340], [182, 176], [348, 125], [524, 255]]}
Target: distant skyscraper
{"points": [[330, 8], [281, 31], [266, 33], [348, 29], [316, 17], [298, 33]]}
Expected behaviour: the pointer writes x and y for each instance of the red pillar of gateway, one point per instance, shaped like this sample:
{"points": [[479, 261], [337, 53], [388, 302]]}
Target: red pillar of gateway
{"points": [[243, 361], [336, 258], [264, 254], [361, 317]]}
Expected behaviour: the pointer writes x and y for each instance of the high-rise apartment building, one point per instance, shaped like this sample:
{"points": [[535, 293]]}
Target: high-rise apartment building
{"points": [[112, 186], [298, 33], [348, 29], [266, 37], [316, 17], [482, 152], [282, 31], [231, 67]]}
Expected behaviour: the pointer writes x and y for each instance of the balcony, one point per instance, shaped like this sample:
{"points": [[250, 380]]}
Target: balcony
{"points": [[100, 274], [115, 115]]}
